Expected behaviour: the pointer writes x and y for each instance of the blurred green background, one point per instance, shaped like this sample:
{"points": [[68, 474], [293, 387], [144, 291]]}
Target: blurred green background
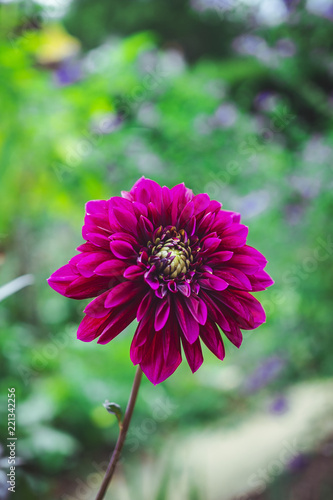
{"points": [[233, 98]]}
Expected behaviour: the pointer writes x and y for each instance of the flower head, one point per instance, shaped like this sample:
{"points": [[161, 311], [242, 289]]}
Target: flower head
{"points": [[174, 261]]}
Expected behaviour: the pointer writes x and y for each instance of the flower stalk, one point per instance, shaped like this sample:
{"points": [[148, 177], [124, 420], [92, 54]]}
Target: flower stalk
{"points": [[123, 428]]}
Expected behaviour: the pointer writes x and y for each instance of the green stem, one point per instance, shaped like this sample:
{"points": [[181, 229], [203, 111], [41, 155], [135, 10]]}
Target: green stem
{"points": [[122, 435]]}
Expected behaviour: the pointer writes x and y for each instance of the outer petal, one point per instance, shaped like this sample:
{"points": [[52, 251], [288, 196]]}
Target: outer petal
{"points": [[119, 319], [211, 336], [193, 354], [156, 366], [85, 288], [188, 324], [90, 328], [61, 278]]}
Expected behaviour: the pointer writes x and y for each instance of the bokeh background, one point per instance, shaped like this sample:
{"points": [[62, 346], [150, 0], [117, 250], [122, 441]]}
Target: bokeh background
{"points": [[234, 98]]}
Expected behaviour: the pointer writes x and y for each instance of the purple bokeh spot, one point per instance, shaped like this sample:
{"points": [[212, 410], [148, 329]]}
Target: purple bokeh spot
{"points": [[68, 72], [279, 405], [265, 373], [298, 463]]}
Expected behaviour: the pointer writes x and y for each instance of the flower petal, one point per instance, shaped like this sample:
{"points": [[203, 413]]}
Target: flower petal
{"points": [[119, 319], [121, 293], [161, 314], [90, 328], [212, 282], [211, 336], [193, 353], [188, 324], [122, 249]]}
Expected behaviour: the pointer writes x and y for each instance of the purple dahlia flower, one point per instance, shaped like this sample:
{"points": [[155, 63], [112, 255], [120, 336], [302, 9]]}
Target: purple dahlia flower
{"points": [[174, 261]]}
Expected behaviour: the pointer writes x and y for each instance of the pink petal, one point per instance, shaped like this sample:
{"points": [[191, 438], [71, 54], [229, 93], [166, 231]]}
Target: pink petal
{"points": [[133, 272], [211, 336], [193, 354], [96, 308], [119, 319], [161, 314], [212, 282], [85, 288], [96, 206], [90, 328], [235, 335], [260, 281], [90, 262], [98, 239], [126, 220], [186, 214], [235, 278], [144, 306], [200, 203], [184, 288], [197, 308], [188, 324], [142, 340], [122, 250], [154, 365], [121, 293], [151, 279], [245, 264], [112, 267], [209, 246], [235, 236]]}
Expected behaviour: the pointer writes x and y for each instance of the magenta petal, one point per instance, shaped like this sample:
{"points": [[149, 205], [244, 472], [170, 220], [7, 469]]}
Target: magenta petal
{"points": [[220, 257], [235, 335], [142, 340], [122, 249], [133, 272], [96, 206], [126, 220], [152, 279], [64, 274], [146, 227], [110, 268], [144, 306], [154, 365], [85, 288], [120, 294], [211, 336], [246, 264], [90, 328], [96, 308], [186, 214], [88, 264], [161, 314], [254, 307], [235, 278], [193, 354], [118, 321], [235, 236], [197, 308], [209, 246], [188, 324], [260, 281], [61, 278], [212, 282], [184, 288], [254, 254], [200, 202], [98, 239]]}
